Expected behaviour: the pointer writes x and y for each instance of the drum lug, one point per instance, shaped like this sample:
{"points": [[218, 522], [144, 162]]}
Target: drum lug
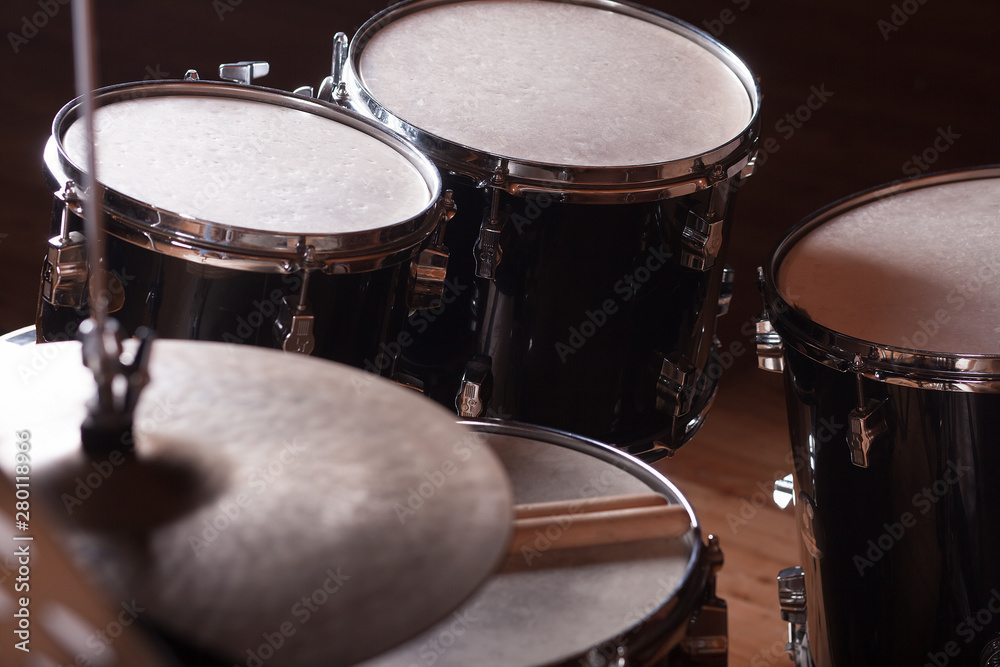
{"points": [[430, 268], [726, 291], [488, 250], [474, 392], [784, 491], [427, 274], [792, 601], [675, 387], [244, 71], [707, 640], [702, 242], [770, 348], [867, 424], [66, 269], [65, 273], [294, 327]]}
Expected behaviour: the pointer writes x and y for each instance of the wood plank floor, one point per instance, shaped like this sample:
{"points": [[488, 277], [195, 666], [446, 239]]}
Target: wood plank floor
{"points": [[727, 472]]}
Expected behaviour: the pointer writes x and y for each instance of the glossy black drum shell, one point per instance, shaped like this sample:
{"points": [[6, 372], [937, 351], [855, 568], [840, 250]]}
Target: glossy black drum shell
{"points": [[356, 315], [198, 279], [910, 547], [586, 301]]}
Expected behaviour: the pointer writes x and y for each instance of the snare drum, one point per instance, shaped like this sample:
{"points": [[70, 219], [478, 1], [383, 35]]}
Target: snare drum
{"points": [[247, 215], [589, 249], [883, 310], [646, 603]]}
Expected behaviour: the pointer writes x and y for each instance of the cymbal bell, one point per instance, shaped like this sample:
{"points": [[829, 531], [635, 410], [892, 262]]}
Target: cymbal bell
{"points": [[276, 503]]}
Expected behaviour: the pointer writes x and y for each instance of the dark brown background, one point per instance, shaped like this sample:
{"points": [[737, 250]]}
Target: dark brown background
{"points": [[890, 98]]}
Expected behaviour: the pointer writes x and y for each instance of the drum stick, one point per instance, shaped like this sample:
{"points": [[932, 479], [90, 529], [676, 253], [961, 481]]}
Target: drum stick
{"points": [[598, 504], [588, 529]]}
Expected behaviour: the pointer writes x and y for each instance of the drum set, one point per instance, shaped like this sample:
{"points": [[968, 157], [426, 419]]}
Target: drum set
{"points": [[420, 330]]}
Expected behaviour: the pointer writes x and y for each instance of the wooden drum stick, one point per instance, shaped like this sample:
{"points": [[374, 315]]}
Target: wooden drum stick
{"points": [[598, 521]]}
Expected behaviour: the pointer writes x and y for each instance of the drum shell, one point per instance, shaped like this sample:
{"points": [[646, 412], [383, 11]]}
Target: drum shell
{"points": [[585, 295], [928, 495], [197, 279], [356, 314], [569, 229], [899, 557]]}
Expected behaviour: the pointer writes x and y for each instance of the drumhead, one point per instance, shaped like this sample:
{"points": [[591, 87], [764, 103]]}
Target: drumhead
{"points": [[537, 82], [550, 606], [917, 268], [250, 164], [249, 173]]}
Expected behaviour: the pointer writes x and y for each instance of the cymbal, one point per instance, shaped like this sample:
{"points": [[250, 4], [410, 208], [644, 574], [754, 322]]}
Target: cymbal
{"points": [[277, 504]]}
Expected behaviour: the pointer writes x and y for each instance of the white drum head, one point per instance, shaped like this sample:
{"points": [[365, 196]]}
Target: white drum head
{"points": [[554, 605], [250, 164], [555, 83], [919, 269]]}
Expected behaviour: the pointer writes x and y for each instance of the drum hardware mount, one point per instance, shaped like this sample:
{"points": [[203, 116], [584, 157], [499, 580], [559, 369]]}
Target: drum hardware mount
{"points": [[65, 272], [676, 384], [332, 88], [867, 421], [726, 290], [703, 234], [792, 601], [707, 640], [120, 378], [295, 322], [429, 268], [784, 491], [476, 387], [487, 248], [770, 347], [244, 71]]}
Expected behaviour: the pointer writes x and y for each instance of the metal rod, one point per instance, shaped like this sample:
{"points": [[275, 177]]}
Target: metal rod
{"points": [[85, 68]]}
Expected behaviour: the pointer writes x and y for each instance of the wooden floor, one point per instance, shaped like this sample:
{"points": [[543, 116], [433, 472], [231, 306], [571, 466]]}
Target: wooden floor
{"points": [[727, 472]]}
